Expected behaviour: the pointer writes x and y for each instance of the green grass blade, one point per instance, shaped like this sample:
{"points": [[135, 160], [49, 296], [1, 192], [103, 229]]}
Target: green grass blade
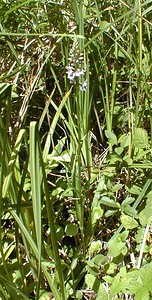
{"points": [[36, 178], [51, 219], [34, 248]]}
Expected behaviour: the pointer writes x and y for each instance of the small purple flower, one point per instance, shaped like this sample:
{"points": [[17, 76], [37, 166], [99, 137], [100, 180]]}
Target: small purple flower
{"points": [[73, 73], [75, 68], [83, 86]]}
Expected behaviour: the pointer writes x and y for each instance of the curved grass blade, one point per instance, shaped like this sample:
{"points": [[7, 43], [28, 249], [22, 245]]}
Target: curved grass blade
{"points": [[53, 125]]}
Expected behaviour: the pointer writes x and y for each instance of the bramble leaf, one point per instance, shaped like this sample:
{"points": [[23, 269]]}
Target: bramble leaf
{"points": [[141, 138], [94, 284], [145, 216]]}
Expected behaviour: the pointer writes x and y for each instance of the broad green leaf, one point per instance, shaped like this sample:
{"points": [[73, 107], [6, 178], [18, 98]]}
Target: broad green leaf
{"points": [[115, 248], [111, 137], [98, 192], [92, 268], [44, 295], [118, 285], [59, 232], [104, 26], [140, 282], [117, 245], [97, 213], [119, 150], [95, 247], [108, 279], [71, 229], [110, 212], [109, 202], [111, 268], [128, 222], [145, 216], [79, 295], [94, 284], [89, 279], [141, 138], [114, 158], [99, 259], [139, 235], [116, 187], [129, 210], [135, 190], [128, 201], [57, 149], [141, 153], [123, 235], [128, 160], [124, 250], [124, 140]]}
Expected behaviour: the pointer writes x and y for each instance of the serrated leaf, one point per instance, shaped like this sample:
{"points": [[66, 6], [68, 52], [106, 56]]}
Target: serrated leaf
{"points": [[141, 153], [128, 222], [145, 216], [94, 284], [140, 282], [118, 285], [141, 138]]}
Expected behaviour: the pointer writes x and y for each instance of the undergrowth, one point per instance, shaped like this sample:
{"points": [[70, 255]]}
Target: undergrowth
{"points": [[75, 150]]}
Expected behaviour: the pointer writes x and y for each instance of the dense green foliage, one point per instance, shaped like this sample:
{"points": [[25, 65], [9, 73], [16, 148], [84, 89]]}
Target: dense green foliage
{"points": [[75, 149]]}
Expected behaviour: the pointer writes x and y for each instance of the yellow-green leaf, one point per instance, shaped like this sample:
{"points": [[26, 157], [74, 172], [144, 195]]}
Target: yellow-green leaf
{"points": [[128, 222]]}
